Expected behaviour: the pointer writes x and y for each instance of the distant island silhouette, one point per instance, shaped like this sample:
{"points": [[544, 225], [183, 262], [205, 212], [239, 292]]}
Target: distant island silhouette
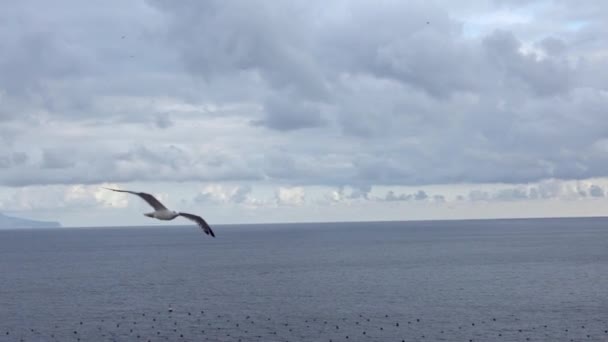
{"points": [[8, 222]]}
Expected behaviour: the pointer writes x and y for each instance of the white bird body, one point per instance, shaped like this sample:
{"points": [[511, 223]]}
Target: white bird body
{"points": [[162, 213], [165, 215]]}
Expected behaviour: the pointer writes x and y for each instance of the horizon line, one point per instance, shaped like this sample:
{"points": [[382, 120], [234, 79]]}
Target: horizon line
{"points": [[330, 221]]}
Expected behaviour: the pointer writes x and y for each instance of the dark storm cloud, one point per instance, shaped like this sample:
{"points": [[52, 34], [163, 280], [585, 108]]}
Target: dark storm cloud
{"points": [[342, 93]]}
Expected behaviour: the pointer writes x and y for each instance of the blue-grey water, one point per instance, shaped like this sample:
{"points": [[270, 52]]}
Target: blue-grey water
{"points": [[491, 280]]}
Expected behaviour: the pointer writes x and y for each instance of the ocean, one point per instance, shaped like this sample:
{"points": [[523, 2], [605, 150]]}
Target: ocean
{"points": [[479, 280]]}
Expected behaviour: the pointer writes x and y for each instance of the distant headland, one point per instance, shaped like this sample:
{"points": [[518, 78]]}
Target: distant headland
{"points": [[8, 222]]}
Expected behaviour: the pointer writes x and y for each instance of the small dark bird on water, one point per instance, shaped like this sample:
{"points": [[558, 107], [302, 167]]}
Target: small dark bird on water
{"points": [[162, 213]]}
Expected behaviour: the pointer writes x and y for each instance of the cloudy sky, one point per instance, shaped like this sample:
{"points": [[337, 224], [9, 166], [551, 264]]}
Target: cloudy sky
{"points": [[283, 111]]}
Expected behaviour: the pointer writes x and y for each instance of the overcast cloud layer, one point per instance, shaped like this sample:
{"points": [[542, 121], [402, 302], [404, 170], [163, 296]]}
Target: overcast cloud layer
{"points": [[304, 93]]}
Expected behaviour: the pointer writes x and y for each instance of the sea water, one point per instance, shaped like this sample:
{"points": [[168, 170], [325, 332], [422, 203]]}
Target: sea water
{"points": [[486, 280]]}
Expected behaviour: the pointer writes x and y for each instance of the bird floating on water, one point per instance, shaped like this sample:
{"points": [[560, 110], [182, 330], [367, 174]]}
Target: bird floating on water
{"points": [[162, 213]]}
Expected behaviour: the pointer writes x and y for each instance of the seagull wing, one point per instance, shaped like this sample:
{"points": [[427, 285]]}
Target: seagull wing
{"points": [[200, 221], [146, 197]]}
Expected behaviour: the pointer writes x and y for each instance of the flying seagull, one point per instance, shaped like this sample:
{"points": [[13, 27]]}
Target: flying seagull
{"points": [[162, 213]]}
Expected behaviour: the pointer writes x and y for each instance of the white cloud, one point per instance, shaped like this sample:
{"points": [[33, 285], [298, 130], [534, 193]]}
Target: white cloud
{"points": [[548, 189], [291, 196], [105, 197], [218, 193], [56, 197]]}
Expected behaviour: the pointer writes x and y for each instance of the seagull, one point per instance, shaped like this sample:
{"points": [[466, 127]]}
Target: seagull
{"points": [[162, 213]]}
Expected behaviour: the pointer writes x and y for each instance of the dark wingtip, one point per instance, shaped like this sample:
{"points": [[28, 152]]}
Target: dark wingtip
{"points": [[211, 232]]}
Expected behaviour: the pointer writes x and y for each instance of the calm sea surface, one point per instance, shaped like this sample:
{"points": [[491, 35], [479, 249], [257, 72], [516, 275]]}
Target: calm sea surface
{"points": [[495, 280]]}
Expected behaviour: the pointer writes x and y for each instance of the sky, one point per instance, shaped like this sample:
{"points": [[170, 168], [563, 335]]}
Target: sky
{"points": [[303, 111]]}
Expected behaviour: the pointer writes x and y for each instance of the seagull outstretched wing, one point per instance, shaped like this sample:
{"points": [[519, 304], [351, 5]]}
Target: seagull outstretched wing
{"points": [[200, 221], [146, 197]]}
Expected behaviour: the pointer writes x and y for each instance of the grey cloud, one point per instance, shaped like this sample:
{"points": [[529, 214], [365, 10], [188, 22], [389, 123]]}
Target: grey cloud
{"points": [[5, 162], [553, 46], [550, 189], [511, 194], [505, 86], [544, 77], [12, 159], [19, 158], [534, 194], [362, 94], [56, 159], [439, 198], [511, 3], [478, 195], [139, 163], [33, 58], [419, 195], [170, 156], [596, 191], [241, 194], [391, 197], [204, 197], [218, 37], [431, 65], [59, 62], [175, 163], [287, 114], [163, 121], [361, 192]]}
